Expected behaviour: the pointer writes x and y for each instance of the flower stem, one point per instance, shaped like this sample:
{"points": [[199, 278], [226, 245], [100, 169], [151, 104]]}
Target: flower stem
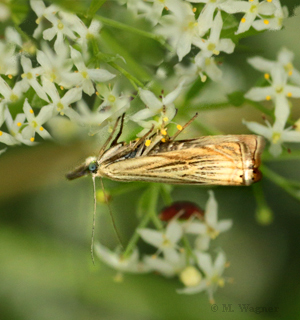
{"points": [[287, 185], [122, 26], [150, 215]]}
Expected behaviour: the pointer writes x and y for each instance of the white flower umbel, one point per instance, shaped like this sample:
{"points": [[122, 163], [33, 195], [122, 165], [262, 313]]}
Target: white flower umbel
{"points": [[277, 135], [56, 67], [210, 228], [9, 94], [181, 28], [214, 45], [85, 77], [35, 123], [60, 29], [165, 241], [284, 60], [30, 77], [155, 106], [275, 22], [279, 91], [213, 275], [168, 268], [4, 12], [251, 8], [61, 105], [115, 260]]}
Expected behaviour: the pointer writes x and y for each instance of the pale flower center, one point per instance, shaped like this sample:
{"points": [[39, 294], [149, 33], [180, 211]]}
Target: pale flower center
{"points": [[111, 98], [166, 242], [276, 137], [84, 74], [59, 106], [253, 9], [34, 124], [279, 89], [60, 25], [213, 233], [211, 47], [14, 97], [216, 279]]}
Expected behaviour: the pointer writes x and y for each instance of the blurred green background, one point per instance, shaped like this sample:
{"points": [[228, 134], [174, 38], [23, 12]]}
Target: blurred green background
{"points": [[45, 232]]}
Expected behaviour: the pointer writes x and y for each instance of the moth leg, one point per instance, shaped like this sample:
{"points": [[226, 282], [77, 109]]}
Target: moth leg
{"points": [[102, 150], [187, 124], [115, 141]]}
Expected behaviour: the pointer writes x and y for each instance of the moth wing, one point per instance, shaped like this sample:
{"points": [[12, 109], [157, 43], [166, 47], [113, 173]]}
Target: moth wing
{"points": [[220, 160]]}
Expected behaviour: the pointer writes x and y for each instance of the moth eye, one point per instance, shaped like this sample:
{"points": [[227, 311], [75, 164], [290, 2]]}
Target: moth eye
{"points": [[92, 167]]}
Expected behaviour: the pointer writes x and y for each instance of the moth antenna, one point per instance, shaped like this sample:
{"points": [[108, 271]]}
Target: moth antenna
{"points": [[115, 141], [94, 219], [187, 124], [109, 138], [111, 215]]}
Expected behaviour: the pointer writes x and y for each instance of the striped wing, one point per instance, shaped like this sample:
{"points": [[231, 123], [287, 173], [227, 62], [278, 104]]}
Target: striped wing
{"points": [[212, 160]]}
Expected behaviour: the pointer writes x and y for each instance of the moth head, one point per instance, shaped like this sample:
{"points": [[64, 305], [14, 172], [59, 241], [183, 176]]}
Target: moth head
{"points": [[90, 166]]}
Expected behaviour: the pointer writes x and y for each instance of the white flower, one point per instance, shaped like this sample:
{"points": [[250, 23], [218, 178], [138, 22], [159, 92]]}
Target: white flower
{"points": [[56, 67], [116, 261], [85, 76], [154, 12], [35, 123], [168, 268], [4, 12], [276, 135], [5, 138], [11, 95], [29, 77], [181, 28], [252, 9], [201, 67], [135, 6], [210, 228], [206, 15], [8, 59], [165, 241], [165, 106], [42, 12], [92, 119], [60, 29], [285, 59], [12, 36], [61, 105], [86, 34], [279, 91], [214, 45], [14, 127], [213, 275], [274, 22]]}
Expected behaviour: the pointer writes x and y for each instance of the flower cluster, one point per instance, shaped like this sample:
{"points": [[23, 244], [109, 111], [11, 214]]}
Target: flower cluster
{"points": [[174, 255], [284, 83], [184, 26]]}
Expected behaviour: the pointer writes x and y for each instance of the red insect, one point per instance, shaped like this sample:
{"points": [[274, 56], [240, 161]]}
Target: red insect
{"points": [[183, 209]]}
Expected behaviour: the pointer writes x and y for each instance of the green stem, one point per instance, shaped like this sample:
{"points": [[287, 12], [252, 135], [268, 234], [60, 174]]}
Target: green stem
{"points": [[134, 81], [261, 108], [122, 26], [150, 215], [188, 249], [294, 155], [281, 182]]}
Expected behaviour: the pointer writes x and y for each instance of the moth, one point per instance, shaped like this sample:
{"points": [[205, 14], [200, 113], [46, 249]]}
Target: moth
{"points": [[231, 160]]}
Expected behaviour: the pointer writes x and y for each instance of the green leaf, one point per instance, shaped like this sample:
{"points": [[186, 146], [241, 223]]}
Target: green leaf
{"points": [[95, 6]]}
